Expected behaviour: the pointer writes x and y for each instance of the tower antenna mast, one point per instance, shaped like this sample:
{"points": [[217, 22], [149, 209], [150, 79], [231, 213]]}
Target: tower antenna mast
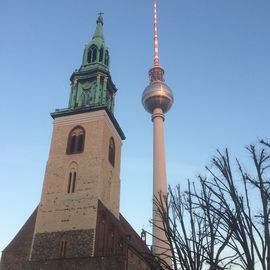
{"points": [[156, 57]]}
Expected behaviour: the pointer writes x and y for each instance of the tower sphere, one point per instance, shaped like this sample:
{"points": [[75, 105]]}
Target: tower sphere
{"points": [[157, 95]]}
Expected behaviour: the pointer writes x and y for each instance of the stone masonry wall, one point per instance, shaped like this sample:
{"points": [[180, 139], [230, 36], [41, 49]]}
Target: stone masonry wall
{"points": [[46, 246]]}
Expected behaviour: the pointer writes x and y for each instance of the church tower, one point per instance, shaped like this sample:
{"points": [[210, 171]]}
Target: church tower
{"points": [[83, 168]]}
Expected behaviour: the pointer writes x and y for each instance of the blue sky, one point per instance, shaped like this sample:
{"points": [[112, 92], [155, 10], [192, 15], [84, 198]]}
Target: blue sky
{"points": [[216, 54]]}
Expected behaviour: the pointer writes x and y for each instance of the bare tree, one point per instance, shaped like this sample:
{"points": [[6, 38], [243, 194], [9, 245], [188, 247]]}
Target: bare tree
{"points": [[223, 219], [245, 201], [193, 232]]}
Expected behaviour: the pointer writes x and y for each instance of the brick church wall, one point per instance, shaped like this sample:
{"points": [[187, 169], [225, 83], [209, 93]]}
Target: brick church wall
{"points": [[100, 263], [135, 262]]}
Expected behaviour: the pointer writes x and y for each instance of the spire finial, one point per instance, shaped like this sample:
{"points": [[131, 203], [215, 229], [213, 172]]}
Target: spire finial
{"points": [[100, 18], [156, 59]]}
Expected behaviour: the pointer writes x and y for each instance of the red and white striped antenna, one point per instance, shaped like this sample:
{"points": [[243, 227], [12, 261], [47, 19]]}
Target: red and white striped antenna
{"points": [[156, 59]]}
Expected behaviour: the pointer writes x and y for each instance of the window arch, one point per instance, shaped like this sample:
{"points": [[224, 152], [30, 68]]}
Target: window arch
{"points": [[76, 139], [92, 54], [111, 156], [101, 52]]}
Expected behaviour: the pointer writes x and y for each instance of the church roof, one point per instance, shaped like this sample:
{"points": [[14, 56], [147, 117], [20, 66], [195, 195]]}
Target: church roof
{"points": [[125, 229], [135, 240], [19, 248]]}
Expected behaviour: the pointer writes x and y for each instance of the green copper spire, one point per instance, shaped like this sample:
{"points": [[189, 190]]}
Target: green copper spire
{"points": [[91, 85], [95, 51]]}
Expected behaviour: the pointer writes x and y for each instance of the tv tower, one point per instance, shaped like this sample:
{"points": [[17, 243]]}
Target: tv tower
{"points": [[157, 99]]}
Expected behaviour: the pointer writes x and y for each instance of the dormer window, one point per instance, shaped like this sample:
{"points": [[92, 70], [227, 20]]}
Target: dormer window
{"points": [[92, 54], [75, 143]]}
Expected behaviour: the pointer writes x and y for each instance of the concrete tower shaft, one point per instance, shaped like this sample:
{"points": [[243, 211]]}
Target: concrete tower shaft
{"points": [[159, 245]]}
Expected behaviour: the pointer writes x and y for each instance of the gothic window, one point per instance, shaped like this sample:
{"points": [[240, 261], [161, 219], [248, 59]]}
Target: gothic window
{"points": [[111, 156], [89, 56], [101, 52], [75, 143], [72, 182], [92, 54], [106, 58], [63, 248]]}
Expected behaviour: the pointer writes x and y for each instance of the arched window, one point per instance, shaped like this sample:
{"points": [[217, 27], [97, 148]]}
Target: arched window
{"points": [[71, 182], [101, 52], [92, 54], [106, 58], [111, 156], [63, 247], [75, 143], [89, 55]]}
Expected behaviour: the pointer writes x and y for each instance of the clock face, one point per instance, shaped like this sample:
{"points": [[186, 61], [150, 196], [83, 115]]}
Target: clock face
{"points": [[86, 85]]}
